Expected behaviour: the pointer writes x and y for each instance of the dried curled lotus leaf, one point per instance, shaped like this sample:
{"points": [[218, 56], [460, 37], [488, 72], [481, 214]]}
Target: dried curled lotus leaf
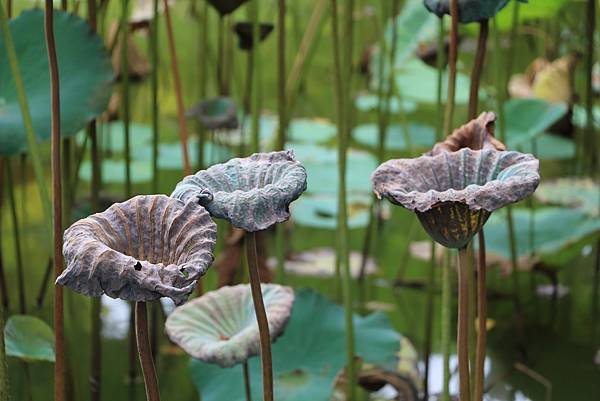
{"points": [[476, 134], [220, 327], [252, 193], [482, 179], [143, 249]]}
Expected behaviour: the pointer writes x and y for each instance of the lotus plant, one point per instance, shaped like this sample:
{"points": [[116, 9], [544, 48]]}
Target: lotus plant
{"points": [[220, 327], [252, 193], [146, 248], [453, 195]]}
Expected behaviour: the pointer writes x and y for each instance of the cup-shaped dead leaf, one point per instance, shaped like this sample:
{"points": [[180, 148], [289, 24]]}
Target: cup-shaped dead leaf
{"points": [[252, 193], [220, 327], [453, 193], [244, 31], [148, 247], [218, 113], [476, 134]]}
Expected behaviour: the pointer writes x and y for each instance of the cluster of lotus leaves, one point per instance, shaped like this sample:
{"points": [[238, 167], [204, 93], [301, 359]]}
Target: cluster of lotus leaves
{"points": [[252, 193], [148, 247], [85, 72], [468, 10], [219, 113], [221, 328]]}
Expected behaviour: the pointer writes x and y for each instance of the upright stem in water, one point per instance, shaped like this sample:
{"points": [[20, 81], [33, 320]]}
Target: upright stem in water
{"points": [[145, 352], [17, 238], [429, 320], [255, 95], [261, 317], [59, 365], [452, 56], [462, 337], [125, 91], [4, 393], [246, 382], [478, 68], [154, 83], [481, 320], [446, 323]]}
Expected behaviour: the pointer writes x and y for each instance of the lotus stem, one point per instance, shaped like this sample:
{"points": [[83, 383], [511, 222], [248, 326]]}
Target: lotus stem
{"points": [[472, 286], [440, 133], [382, 104], [481, 319], [154, 88], [63, 5], [478, 68], [125, 91], [203, 75], [59, 365], [132, 344], [446, 323], [255, 57], [429, 320], [183, 133], [96, 345], [4, 393], [590, 137], [247, 387], [452, 56], [33, 148], [4, 294], [220, 55], [9, 8], [462, 337], [261, 317], [17, 239], [44, 286], [145, 352]]}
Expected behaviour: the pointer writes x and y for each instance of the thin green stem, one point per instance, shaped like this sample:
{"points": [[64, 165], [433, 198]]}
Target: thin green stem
{"points": [[96, 346], [247, 387], [154, 86], [17, 239], [472, 313], [4, 393], [429, 320], [145, 352], [462, 336], [255, 95], [202, 77], [440, 133], [125, 92], [478, 68], [452, 57], [261, 317], [446, 322], [481, 319], [590, 138]]}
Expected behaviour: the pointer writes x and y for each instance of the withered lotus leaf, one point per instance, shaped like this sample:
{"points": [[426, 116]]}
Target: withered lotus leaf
{"points": [[148, 247], [476, 134], [453, 193], [220, 327], [218, 113], [252, 193]]}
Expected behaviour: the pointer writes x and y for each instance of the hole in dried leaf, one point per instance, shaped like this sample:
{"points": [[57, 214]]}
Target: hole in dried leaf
{"points": [[138, 266]]}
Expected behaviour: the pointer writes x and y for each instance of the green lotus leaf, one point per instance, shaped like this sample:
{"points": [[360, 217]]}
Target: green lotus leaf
{"points": [[29, 338], [580, 116], [420, 135], [370, 102], [321, 164], [468, 10], [550, 147], [320, 262], [252, 193], [533, 10], [170, 156], [579, 193], [528, 118], [85, 75], [554, 228], [113, 171], [148, 247], [220, 327], [311, 130], [417, 81], [111, 136], [307, 358], [321, 210]]}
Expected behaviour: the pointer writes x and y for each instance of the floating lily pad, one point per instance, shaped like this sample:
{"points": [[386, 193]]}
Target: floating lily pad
{"points": [[417, 81], [85, 77], [468, 10], [554, 228], [321, 211], [245, 33], [370, 102], [113, 171], [580, 193], [170, 156], [220, 327], [112, 136], [320, 262], [420, 136], [311, 130], [528, 118], [29, 338], [321, 165], [307, 358]]}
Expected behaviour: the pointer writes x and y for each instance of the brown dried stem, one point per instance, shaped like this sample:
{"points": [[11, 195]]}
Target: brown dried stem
{"points": [[462, 336], [145, 352]]}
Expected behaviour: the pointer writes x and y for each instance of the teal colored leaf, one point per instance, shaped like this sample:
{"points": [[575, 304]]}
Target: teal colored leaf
{"points": [[309, 355], [112, 136], [311, 130], [85, 73], [549, 147], [420, 136], [29, 338], [579, 193], [554, 228], [528, 118], [417, 81], [321, 210], [370, 102], [113, 171]]}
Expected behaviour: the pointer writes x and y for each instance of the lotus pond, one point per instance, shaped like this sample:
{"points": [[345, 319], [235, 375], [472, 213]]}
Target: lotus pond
{"points": [[316, 200]]}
